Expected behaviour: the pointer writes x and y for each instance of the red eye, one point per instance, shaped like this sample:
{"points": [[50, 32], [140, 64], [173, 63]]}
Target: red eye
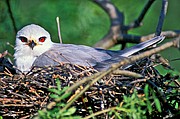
{"points": [[23, 39], [42, 39]]}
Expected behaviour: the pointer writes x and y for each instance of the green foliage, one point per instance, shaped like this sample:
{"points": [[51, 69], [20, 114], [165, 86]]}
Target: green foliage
{"points": [[148, 91], [164, 71], [135, 107], [1, 117], [56, 113], [132, 107]]}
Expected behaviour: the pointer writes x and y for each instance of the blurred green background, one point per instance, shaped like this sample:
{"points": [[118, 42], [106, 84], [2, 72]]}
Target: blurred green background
{"points": [[82, 21]]}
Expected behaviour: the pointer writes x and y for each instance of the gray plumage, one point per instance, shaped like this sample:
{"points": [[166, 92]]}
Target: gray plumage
{"points": [[100, 59]]}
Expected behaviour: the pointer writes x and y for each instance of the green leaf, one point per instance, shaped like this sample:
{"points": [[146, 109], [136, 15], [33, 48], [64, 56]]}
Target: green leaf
{"points": [[41, 113], [62, 97], [123, 109], [53, 90], [177, 105], [69, 112], [111, 112], [142, 102], [149, 106], [146, 90], [158, 105], [54, 96], [117, 115], [58, 84], [63, 90], [72, 110], [60, 104], [65, 95], [125, 98], [71, 117]]}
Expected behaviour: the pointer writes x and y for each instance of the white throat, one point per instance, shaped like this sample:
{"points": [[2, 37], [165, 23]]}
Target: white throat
{"points": [[24, 56]]}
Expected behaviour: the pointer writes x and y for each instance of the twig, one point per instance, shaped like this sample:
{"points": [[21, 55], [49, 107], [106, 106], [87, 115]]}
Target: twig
{"points": [[138, 21], [99, 112], [7, 72], [127, 73], [25, 117], [161, 18], [59, 30], [17, 105], [138, 80], [8, 43]]}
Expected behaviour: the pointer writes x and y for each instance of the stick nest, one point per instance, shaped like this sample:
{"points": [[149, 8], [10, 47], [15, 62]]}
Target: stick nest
{"points": [[21, 96]]}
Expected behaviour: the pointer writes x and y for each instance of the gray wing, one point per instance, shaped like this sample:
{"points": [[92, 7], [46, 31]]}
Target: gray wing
{"points": [[69, 53], [87, 56]]}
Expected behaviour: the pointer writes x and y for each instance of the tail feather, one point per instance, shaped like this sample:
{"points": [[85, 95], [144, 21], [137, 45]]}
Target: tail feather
{"points": [[129, 51]]}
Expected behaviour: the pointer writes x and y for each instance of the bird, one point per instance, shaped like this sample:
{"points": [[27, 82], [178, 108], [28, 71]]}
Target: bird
{"points": [[34, 47]]}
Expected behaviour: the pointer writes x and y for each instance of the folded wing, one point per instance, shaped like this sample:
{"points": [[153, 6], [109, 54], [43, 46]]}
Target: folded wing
{"points": [[87, 56]]}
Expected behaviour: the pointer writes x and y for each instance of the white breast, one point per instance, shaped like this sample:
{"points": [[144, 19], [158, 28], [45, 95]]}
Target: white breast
{"points": [[24, 63]]}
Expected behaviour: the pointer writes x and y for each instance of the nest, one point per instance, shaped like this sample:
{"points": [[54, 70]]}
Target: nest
{"points": [[21, 96]]}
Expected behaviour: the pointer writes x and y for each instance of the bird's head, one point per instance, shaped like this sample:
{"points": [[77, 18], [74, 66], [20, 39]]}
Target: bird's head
{"points": [[32, 39]]}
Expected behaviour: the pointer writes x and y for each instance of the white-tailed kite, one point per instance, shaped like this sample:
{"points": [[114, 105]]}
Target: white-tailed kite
{"points": [[35, 48]]}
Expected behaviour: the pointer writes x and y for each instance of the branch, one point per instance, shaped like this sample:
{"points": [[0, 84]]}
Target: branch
{"points": [[138, 21], [128, 38], [118, 34], [161, 18], [117, 27], [137, 39], [117, 21]]}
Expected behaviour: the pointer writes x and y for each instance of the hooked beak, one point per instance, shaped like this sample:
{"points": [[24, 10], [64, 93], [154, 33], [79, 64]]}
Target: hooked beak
{"points": [[32, 44]]}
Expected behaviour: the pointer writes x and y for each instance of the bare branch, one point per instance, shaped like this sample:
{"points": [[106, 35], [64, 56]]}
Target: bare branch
{"points": [[128, 38], [161, 18], [138, 21], [127, 73], [116, 18], [137, 39], [118, 32], [117, 28]]}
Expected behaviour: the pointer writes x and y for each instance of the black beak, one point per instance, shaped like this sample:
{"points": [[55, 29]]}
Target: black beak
{"points": [[32, 44]]}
